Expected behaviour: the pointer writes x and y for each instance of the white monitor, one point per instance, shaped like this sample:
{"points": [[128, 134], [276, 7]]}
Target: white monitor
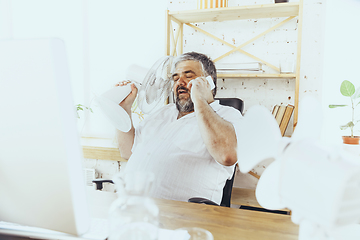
{"points": [[41, 178]]}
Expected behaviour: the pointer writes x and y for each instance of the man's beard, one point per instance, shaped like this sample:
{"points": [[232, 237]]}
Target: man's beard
{"points": [[183, 105]]}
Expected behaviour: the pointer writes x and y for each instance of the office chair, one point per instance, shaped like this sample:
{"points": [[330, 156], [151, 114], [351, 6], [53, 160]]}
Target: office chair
{"points": [[232, 102], [227, 190]]}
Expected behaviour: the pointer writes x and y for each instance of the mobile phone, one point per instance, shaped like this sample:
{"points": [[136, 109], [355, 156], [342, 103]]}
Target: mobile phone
{"points": [[211, 82]]}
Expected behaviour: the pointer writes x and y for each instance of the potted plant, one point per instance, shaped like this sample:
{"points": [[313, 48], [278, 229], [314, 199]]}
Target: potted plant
{"points": [[347, 89], [81, 107]]}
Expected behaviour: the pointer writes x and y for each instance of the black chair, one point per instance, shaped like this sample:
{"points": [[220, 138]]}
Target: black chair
{"points": [[232, 102], [227, 190]]}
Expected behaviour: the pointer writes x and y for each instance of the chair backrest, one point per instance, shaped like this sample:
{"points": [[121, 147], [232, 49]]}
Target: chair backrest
{"points": [[239, 105], [232, 102]]}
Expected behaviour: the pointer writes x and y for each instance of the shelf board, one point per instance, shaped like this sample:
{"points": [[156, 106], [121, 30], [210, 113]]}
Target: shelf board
{"points": [[102, 153], [260, 75], [236, 13]]}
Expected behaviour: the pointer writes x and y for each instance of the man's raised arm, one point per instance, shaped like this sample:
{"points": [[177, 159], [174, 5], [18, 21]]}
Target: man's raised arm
{"points": [[126, 139]]}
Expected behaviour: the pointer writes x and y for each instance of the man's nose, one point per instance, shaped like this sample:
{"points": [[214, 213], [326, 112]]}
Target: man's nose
{"points": [[182, 81]]}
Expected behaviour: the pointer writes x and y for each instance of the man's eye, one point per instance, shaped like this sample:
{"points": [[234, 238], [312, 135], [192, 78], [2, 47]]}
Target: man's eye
{"points": [[189, 75], [175, 78]]}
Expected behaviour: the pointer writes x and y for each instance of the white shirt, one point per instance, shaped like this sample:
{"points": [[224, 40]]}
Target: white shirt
{"points": [[174, 151]]}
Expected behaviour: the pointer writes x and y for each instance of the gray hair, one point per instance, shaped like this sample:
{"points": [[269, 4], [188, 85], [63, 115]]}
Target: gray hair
{"points": [[206, 63]]}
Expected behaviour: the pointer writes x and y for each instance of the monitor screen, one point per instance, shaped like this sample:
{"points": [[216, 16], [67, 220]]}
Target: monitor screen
{"points": [[41, 178]]}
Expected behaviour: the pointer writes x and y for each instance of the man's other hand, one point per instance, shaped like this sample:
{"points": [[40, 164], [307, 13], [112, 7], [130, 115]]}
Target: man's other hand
{"points": [[129, 100]]}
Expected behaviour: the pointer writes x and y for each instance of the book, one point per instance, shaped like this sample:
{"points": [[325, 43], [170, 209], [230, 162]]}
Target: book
{"points": [[280, 114], [275, 109], [203, 4], [286, 118]]}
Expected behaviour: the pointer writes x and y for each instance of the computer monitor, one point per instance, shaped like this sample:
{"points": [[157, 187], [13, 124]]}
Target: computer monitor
{"points": [[41, 177]]}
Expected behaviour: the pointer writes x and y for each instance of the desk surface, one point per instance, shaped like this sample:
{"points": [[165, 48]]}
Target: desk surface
{"points": [[226, 223]]}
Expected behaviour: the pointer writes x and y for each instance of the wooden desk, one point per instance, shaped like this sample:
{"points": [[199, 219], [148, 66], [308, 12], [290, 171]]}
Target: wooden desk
{"points": [[226, 223]]}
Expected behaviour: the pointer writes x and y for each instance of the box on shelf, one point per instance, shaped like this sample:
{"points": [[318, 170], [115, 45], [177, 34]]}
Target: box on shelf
{"points": [[249, 67]]}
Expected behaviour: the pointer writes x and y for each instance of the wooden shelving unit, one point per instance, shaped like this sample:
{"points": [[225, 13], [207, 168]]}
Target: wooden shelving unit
{"points": [[174, 40], [236, 13]]}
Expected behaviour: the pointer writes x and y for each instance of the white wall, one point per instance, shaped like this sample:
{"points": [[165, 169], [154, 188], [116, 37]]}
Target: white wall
{"points": [[121, 33], [341, 62], [102, 37]]}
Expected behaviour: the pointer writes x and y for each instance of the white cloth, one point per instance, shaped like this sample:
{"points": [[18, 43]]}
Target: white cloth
{"points": [[174, 151]]}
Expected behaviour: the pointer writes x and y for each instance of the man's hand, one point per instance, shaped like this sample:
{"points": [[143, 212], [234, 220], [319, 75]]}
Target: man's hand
{"points": [[129, 100], [200, 90]]}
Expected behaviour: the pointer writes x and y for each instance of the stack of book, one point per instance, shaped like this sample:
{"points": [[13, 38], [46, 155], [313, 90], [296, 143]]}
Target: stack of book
{"points": [[282, 114], [232, 68]]}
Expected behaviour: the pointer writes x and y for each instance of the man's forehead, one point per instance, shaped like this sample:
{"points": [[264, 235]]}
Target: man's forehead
{"points": [[188, 65]]}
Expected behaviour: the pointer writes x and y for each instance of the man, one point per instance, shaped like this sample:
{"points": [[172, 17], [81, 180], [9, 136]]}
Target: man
{"points": [[191, 145]]}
